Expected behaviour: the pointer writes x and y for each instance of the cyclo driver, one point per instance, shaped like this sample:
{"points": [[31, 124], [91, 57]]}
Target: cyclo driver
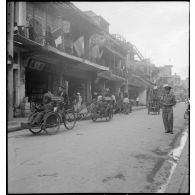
{"points": [[44, 109], [64, 100]]}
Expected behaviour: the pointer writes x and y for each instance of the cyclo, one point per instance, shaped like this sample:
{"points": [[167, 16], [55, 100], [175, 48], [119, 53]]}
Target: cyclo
{"points": [[154, 101], [51, 121], [103, 108]]}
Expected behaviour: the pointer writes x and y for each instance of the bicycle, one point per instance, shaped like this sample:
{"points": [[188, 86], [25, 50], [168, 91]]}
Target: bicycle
{"points": [[52, 120]]}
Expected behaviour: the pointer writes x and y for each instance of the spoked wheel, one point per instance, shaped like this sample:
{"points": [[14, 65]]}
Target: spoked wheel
{"points": [[94, 118], [112, 114], [69, 120], [109, 115], [34, 129], [52, 123]]}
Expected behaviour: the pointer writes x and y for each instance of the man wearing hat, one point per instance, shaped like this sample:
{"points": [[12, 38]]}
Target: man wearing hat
{"points": [[62, 93], [168, 101]]}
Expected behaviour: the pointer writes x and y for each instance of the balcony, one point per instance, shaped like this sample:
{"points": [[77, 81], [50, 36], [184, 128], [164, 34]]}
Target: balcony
{"points": [[43, 48], [119, 72], [45, 38]]}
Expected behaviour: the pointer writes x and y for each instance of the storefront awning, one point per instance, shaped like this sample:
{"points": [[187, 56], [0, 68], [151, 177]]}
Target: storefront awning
{"points": [[52, 55], [82, 63], [110, 76], [137, 81]]}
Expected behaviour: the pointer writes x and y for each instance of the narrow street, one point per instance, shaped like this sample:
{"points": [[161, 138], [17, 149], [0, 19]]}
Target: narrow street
{"points": [[123, 155]]}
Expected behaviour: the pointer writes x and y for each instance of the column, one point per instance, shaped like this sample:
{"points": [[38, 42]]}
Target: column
{"points": [[86, 45], [88, 91], [10, 25], [21, 14]]}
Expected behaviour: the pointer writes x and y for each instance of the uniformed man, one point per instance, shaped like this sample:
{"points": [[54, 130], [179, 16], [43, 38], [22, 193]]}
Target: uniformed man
{"points": [[168, 101]]}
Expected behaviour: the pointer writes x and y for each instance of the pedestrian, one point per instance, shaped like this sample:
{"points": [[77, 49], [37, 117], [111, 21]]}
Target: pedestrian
{"points": [[137, 101], [94, 96], [168, 101], [78, 102]]}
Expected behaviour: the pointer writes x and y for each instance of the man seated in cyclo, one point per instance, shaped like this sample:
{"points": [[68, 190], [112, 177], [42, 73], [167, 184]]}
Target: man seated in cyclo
{"points": [[44, 109], [107, 99], [154, 97], [126, 101]]}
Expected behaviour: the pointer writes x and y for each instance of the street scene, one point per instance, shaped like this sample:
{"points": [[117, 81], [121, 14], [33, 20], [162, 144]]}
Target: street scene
{"points": [[90, 110], [127, 155]]}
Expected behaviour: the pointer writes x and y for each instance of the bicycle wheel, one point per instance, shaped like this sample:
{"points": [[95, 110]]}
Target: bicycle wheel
{"points": [[34, 129], [69, 119], [52, 123]]}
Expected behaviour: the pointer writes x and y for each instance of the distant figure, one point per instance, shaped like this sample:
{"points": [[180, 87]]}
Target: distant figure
{"points": [[95, 95], [126, 99], [137, 101], [78, 102]]}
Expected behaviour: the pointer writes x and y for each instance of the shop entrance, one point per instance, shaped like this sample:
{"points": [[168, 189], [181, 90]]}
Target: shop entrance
{"points": [[37, 82], [77, 86]]}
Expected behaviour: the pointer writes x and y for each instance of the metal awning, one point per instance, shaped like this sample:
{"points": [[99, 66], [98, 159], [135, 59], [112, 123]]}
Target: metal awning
{"points": [[52, 55], [82, 63], [110, 76], [137, 81]]}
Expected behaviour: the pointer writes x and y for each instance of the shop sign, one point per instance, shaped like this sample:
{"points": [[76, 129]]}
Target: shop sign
{"points": [[37, 65]]}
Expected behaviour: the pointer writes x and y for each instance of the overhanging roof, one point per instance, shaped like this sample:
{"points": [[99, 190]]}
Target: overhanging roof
{"points": [[110, 76], [52, 55], [83, 62], [137, 81]]}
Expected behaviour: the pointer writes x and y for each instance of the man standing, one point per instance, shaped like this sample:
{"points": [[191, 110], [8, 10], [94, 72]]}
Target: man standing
{"points": [[168, 101], [137, 101], [62, 93]]}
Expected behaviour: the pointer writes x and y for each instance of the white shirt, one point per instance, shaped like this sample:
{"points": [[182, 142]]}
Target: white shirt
{"points": [[126, 100]]}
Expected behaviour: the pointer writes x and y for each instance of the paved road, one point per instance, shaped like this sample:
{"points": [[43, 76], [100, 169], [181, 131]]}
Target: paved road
{"points": [[123, 155]]}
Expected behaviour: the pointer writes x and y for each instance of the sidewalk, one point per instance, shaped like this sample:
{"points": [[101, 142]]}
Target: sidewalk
{"points": [[180, 179], [14, 125]]}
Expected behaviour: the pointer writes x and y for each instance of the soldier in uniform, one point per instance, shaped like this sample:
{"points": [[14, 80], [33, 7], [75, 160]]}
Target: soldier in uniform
{"points": [[168, 101]]}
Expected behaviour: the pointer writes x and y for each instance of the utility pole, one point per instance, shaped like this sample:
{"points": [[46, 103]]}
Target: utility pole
{"points": [[10, 41]]}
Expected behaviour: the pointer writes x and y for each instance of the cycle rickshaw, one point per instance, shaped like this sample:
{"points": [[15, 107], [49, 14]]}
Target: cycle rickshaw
{"points": [[154, 106], [51, 121], [103, 109]]}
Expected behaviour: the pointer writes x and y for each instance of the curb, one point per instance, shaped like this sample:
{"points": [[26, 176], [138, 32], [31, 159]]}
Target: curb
{"points": [[171, 163], [18, 127]]}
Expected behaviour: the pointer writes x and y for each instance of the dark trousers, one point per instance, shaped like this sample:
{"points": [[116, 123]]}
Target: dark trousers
{"points": [[167, 115], [39, 117]]}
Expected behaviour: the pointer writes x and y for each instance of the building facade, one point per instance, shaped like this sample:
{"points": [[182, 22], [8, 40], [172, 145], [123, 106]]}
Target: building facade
{"points": [[57, 44]]}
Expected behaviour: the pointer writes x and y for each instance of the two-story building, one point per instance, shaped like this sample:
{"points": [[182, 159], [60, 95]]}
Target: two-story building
{"points": [[110, 51], [140, 79], [58, 44], [52, 48]]}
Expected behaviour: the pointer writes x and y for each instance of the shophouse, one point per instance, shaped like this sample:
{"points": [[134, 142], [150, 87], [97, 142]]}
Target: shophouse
{"points": [[51, 48]]}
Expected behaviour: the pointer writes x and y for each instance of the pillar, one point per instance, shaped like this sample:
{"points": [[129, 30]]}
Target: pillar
{"points": [[10, 25], [142, 96], [126, 87], [88, 91], [86, 45], [21, 13]]}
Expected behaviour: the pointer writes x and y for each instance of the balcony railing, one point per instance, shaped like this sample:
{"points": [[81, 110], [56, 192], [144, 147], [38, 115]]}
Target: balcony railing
{"points": [[65, 45], [119, 72]]}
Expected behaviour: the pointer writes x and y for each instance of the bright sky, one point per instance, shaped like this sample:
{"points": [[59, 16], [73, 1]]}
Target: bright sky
{"points": [[160, 30]]}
